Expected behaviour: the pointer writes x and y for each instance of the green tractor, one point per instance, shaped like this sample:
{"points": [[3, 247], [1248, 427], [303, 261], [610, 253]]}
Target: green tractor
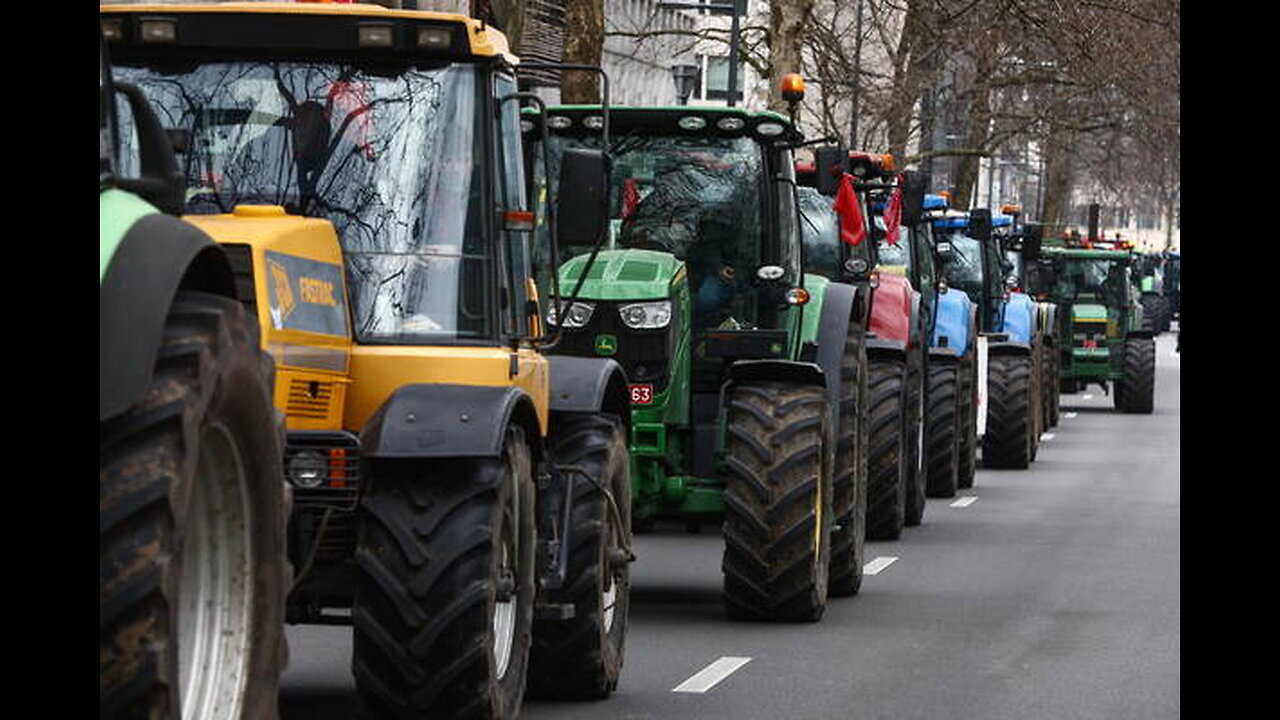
{"points": [[1103, 340], [747, 375], [192, 499]]}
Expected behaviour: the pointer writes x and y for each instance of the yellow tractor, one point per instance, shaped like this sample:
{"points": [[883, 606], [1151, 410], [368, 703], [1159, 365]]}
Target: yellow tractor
{"points": [[459, 498]]}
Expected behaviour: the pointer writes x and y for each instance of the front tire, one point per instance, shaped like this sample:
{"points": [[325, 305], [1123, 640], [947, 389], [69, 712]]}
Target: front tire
{"points": [[849, 487], [777, 515], [192, 573], [886, 484], [1007, 441], [940, 427], [967, 425], [581, 658], [443, 609], [1139, 377]]}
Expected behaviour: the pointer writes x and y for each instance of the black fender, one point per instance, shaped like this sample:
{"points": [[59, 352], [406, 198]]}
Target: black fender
{"points": [[589, 385], [447, 421], [877, 345], [158, 256], [792, 371], [944, 353], [1005, 347], [834, 324], [1140, 334]]}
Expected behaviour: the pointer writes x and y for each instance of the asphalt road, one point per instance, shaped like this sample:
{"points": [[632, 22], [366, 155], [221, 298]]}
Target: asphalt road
{"points": [[1052, 593]]}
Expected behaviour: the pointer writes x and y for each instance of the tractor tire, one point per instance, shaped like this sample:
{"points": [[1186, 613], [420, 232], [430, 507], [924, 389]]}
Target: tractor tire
{"points": [[886, 465], [1053, 388], [777, 514], [443, 610], [849, 486], [1037, 398], [967, 423], [192, 515], [1139, 377], [581, 658], [1151, 313], [1007, 442], [916, 470], [940, 429]]}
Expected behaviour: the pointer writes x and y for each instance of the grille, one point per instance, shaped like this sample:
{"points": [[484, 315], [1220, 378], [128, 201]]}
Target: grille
{"points": [[309, 399], [643, 354], [323, 523], [1097, 332]]}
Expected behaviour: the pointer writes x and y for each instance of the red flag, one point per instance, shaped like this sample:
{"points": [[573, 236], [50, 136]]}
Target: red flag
{"points": [[893, 215], [630, 197], [847, 206]]}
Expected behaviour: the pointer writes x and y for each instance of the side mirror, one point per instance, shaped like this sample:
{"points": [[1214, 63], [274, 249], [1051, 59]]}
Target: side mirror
{"points": [[980, 224], [1031, 238], [914, 184], [831, 163], [161, 184], [582, 197]]}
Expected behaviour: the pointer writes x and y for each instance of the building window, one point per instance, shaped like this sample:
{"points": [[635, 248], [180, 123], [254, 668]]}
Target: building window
{"points": [[715, 71]]}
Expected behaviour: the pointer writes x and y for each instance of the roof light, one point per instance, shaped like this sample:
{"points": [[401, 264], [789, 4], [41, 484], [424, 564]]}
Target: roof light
{"points": [[113, 29], [792, 87], [559, 122], [158, 30], [769, 129], [1011, 209], [887, 162], [692, 122], [730, 123], [526, 126], [372, 34], [434, 38], [593, 122]]}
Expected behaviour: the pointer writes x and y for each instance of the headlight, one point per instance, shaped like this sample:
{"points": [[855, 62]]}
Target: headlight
{"points": [[579, 315], [646, 315], [308, 469]]}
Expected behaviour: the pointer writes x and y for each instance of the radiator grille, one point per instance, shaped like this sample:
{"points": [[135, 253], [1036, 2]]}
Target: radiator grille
{"points": [[309, 399]]}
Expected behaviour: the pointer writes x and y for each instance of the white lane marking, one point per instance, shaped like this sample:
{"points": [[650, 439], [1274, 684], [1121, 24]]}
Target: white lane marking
{"points": [[706, 678], [1068, 415], [875, 566], [965, 501], [1088, 397], [1046, 436]]}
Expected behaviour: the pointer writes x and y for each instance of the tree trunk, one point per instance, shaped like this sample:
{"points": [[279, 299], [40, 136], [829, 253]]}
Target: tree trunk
{"points": [[787, 21], [909, 62], [1058, 169], [583, 44]]}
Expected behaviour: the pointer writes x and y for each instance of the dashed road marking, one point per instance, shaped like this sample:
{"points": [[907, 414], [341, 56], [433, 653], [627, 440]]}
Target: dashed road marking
{"points": [[1068, 415], [875, 566], [1088, 397], [709, 676], [1046, 436], [965, 501]]}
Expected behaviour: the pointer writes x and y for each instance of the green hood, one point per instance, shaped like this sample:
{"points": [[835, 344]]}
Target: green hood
{"points": [[623, 275], [1087, 312]]}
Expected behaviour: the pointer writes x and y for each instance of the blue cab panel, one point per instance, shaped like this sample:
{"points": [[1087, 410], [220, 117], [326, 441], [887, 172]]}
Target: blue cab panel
{"points": [[1019, 318], [952, 320]]}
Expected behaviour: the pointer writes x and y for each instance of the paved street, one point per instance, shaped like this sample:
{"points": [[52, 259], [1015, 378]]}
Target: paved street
{"points": [[1046, 593]]}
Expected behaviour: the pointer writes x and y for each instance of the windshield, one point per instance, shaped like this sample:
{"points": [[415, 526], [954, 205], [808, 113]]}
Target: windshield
{"points": [[698, 198], [392, 158], [1097, 279], [897, 255], [820, 228], [965, 270]]}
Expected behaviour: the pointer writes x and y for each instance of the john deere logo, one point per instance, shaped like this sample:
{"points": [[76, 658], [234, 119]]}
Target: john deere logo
{"points": [[606, 344]]}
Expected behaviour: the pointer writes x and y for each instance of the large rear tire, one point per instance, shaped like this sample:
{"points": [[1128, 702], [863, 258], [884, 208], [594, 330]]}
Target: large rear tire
{"points": [[192, 512], [941, 424], [967, 423], [849, 487], [777, 515], [443, 609], [1139, 376], [1007, 441], [917, 471], [581, 658], [886, 466]]}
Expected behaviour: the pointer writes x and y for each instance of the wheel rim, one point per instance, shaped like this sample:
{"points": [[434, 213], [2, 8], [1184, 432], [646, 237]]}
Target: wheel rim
{"points": [[504, 611], [215, 595]]}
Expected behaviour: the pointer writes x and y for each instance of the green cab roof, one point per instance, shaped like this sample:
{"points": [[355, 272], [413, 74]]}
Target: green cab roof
{"points": [[722, 121]]}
